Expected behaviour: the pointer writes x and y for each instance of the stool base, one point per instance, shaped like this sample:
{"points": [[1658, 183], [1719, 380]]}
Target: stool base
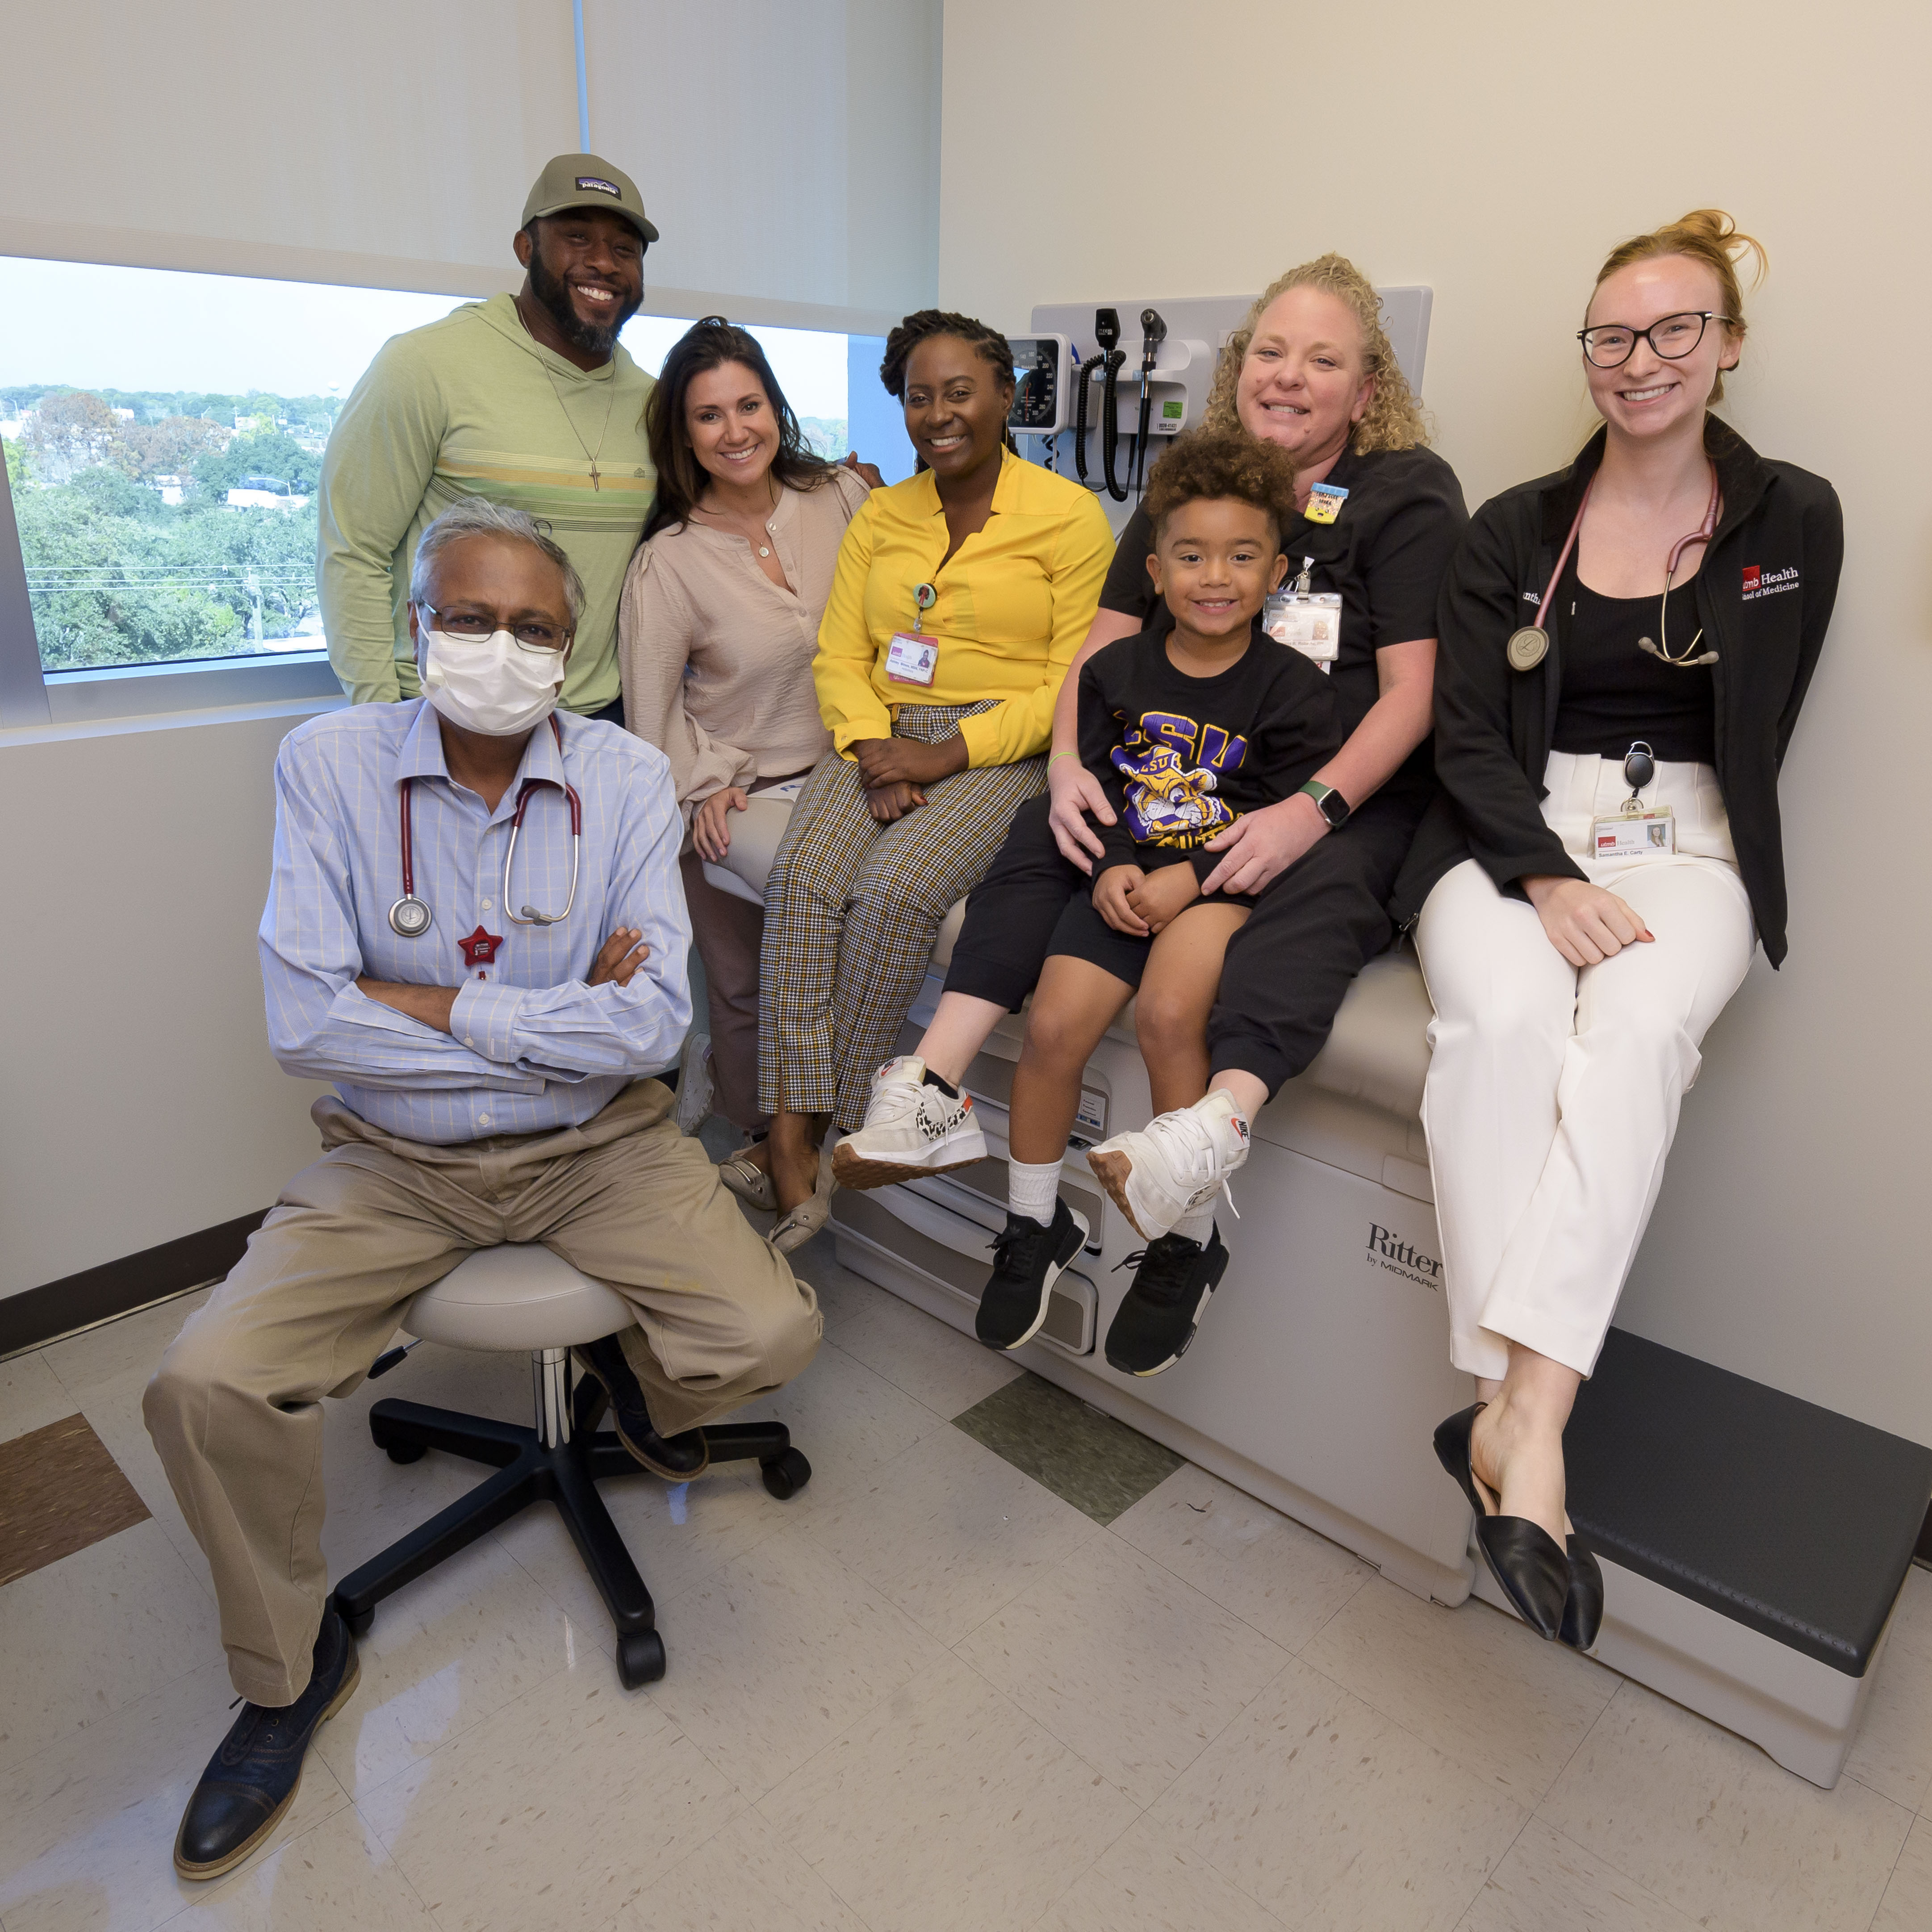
{"points": [[566, 1474]]}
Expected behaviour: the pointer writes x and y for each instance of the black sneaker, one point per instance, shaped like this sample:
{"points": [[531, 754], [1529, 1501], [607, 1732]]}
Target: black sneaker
{"points": [[1026, 1260], [252, 1780], [1173, 1279]]}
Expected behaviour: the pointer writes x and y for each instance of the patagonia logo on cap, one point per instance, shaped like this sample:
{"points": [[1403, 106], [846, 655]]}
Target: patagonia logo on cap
{"points": [[602, 186]]}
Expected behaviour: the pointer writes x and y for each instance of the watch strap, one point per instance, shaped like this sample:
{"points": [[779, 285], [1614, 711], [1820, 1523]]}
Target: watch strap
{"points": [[1336, 814]]}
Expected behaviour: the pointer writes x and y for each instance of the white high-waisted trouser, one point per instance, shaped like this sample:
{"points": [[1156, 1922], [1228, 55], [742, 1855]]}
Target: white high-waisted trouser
{"points": [[1553, 1093]]}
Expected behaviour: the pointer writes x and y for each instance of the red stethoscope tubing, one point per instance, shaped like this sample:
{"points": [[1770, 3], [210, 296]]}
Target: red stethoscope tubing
{"points": [[516, 825], [1702, 534]]}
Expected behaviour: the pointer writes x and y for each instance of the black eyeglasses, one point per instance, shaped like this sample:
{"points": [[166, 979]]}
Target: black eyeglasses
{"points": [[472, 627], [1612, 343]]}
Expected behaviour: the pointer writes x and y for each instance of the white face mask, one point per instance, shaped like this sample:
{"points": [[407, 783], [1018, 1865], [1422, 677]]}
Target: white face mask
{"points": [[490, 685]]}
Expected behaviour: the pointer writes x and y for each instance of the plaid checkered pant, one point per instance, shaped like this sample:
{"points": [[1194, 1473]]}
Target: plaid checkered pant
{"points": [[852, 909]]}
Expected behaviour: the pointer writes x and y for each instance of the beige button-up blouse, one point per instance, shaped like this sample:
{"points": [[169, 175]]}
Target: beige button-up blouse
{"points": [[716, 658]]}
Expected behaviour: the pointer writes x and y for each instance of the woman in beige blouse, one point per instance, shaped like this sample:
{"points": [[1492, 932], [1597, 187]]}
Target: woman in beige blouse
{"points": [[716, 631]]}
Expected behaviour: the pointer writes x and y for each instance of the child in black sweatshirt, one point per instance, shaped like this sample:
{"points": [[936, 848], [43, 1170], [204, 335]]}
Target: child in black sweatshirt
{"points": [[1186, 730]]}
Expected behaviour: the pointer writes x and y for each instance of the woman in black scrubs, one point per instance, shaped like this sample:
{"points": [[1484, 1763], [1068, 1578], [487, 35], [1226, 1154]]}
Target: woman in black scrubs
{"points": [[1312, 371], [1625, 646]]}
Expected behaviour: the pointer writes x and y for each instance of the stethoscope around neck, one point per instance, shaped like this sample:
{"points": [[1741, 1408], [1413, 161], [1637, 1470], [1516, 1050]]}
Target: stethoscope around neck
{"points": [[410, 917], [1527, 647]]}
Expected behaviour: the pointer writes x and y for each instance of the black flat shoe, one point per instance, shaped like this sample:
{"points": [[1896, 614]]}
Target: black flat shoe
{"points": [[252, 1780], [1583, 1608], [1524, 1558], [676, 1458]]}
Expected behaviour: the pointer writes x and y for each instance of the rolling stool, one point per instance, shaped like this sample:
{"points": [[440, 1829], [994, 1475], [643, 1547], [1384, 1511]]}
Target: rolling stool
{"points": [[525, 1297]]}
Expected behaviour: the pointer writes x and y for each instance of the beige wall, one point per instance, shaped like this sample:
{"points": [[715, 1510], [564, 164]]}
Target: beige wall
{"points": [[1496, 152], [138, 1099], [786, 148]]}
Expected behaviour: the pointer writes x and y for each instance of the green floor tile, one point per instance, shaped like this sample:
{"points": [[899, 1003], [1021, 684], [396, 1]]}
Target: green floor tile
{"points": [[1099, 1465]]}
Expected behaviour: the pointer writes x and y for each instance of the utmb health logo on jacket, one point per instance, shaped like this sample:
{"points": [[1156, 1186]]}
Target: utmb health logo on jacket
{"points": [[1388, 1249], [1762, 582]]}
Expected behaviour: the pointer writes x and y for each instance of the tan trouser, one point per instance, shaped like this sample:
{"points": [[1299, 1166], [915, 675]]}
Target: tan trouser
{"points": [[235, 1408]]}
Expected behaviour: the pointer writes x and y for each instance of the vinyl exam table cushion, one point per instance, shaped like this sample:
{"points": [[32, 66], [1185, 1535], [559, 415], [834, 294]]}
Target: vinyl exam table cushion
{"points": [[1789, 1519], [1378, 1051]]}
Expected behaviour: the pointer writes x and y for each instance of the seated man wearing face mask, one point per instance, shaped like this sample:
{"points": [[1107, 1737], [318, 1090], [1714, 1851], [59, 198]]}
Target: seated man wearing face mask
{"points": [[489, 1021]]}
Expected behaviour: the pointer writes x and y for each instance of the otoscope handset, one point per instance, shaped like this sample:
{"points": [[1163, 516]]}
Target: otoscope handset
{"points": [[1153, 333], [1107, 333]]}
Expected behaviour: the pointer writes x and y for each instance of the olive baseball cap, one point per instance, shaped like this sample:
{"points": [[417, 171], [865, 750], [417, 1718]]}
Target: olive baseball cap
{"points": [[587, 180]]}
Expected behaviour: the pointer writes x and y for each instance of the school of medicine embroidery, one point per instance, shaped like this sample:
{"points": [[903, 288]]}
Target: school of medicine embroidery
{"points": [[1171, 765]]}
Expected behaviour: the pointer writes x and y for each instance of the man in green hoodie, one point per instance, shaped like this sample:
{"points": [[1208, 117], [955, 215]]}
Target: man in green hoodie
{"points": [[526, 399]]}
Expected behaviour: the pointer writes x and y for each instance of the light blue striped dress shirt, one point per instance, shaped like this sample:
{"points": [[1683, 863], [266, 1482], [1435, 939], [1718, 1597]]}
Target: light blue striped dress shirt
{"points": [[531, 1046]]}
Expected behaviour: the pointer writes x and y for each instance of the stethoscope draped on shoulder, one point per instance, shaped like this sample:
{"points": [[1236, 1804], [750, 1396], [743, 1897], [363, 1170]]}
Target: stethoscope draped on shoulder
{"points": [[498, 683]]}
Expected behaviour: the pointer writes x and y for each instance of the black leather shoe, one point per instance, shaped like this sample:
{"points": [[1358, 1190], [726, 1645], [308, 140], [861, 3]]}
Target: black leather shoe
{"points": [[676, 1458], [1583, 1608], [1524, 1558], [252, 1780]]}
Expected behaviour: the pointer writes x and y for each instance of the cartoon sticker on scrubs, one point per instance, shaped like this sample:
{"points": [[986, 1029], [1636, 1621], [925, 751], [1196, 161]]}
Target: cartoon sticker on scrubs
{"points": [[1168, 802]]}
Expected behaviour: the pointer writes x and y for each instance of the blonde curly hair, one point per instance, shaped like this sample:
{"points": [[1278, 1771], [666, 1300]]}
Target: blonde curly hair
{"points": [[1393, 419]]}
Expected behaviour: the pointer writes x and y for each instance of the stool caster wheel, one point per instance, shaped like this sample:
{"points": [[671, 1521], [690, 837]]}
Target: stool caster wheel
{"points": [[406, 1452], [786, 1477], [359, 1621], [640, 1659]]}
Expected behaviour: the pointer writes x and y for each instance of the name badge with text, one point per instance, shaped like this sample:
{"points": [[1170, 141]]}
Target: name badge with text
{"points": [[1634, 835], [1310, 623], [911, 658]]}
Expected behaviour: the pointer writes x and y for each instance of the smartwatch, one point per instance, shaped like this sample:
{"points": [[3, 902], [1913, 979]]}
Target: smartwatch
{"points": [[1329, 802]]}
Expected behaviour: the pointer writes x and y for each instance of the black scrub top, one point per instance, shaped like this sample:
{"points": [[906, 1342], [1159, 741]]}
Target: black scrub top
{"points": [[1386, 554]]}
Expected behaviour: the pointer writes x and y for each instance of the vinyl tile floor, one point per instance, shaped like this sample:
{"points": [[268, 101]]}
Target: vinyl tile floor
{"points": [[1003, 1665]]}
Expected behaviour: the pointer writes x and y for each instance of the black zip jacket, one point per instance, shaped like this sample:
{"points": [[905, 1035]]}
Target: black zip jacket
{"points": [[1765, 593]]}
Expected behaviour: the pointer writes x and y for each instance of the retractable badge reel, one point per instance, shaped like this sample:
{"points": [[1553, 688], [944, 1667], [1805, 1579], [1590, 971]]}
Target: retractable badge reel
{"points": [[1637, 831], [912, 657], [1308, 621]]}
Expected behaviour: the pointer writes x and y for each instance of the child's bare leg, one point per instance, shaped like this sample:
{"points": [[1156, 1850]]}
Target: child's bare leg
{"points": [[1075, 1004], [1177, 994]]}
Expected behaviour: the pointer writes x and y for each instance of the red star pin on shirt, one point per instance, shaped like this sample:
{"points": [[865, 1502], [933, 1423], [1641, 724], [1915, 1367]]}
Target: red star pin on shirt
{"points": [[480, 948]]}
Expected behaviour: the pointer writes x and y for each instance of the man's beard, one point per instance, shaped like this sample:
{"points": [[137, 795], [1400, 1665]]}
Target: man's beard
{"points": [[593, 338]]}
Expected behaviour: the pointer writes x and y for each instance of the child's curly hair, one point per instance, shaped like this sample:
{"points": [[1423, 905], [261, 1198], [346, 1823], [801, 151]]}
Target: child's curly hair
{"points": [[1217, 462]]}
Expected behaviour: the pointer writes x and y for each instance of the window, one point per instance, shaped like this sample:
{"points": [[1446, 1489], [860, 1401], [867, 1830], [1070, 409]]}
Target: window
{"points": [[163, 433]]}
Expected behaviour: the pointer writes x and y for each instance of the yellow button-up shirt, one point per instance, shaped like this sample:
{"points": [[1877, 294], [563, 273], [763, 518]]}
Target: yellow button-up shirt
{"points": [[1015, 602]]}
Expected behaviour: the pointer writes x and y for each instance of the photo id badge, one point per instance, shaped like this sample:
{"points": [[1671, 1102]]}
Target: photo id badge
{"points": [[911, 658], [1634, 835], [1311, 623]]}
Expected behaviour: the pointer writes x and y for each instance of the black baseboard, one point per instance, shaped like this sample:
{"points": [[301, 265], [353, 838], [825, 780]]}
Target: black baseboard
{"points": [[95, 1295]]}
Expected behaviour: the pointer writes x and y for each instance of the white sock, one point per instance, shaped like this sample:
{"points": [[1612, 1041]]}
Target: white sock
{"points": [[1032, 1188], [1198, 1226]]}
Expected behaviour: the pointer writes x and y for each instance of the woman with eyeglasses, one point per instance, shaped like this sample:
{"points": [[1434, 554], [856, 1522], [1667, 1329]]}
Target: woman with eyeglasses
{"points": [[715, 635], [1624, 647]]}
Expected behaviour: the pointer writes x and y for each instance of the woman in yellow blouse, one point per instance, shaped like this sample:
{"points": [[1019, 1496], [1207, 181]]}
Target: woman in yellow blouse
{"points": [[959, 600]]}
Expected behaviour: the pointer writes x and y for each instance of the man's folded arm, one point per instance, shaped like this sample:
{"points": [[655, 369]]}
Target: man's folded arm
{"points": [[321, 1025], [574, 1031]]}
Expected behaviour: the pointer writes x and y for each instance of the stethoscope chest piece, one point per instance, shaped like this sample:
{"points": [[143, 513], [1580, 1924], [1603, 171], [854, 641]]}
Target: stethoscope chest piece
{"points": [[1527, 647], [409, 918]]}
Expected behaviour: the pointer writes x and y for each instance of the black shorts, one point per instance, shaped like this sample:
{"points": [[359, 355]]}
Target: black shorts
{"points": [[1081, 932]]}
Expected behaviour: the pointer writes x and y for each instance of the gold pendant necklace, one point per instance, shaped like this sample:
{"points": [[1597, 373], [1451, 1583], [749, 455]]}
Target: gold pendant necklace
{"points": [[590, 455]]}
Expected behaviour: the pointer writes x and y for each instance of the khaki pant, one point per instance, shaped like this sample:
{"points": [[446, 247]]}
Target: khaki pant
{"points": [[235, 1408]]}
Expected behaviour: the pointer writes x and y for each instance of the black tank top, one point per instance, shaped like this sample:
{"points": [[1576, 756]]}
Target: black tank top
{"points": [[1614, 693]]}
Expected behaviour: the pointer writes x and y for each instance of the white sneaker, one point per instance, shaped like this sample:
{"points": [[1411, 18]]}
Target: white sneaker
{"points": [[911, 1128], [1178, 1163], [694, 1087]]}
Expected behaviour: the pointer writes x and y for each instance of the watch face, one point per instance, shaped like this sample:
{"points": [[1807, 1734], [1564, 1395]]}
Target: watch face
{"points": [[1334, 808]]}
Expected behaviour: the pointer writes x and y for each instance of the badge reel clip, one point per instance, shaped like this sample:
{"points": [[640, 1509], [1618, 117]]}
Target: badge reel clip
{"points": [[1308, 621], [912, 657], [1637, 832]]}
